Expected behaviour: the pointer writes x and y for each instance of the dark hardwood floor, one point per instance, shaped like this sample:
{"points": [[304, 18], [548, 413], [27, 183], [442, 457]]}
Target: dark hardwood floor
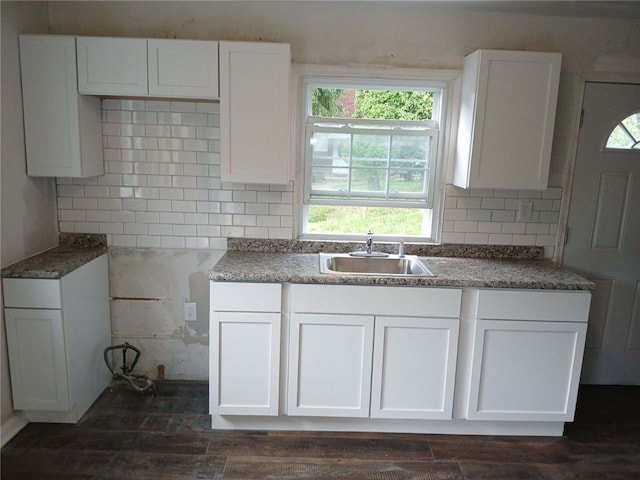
{"points": [[126, 435]]}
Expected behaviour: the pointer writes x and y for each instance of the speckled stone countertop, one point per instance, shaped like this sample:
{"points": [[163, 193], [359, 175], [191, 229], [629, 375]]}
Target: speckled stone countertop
{"points": [[255, 266], [74, 251]]}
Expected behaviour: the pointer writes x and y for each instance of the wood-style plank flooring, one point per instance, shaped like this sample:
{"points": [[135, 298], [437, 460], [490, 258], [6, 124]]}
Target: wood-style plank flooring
{"points": [[126, 435]]}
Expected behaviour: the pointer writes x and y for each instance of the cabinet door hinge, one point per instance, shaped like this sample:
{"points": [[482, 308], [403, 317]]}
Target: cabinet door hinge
{"points": [[581, 117], [566, 235]]}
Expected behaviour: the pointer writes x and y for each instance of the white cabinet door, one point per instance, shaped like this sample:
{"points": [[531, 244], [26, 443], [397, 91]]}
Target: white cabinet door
{"points": [[183, 68], [330, 365], [245, 351], [35, 340], [63, 130], [414, 364], [507, 116], [524, 370], [254, 112], [112, 66]]}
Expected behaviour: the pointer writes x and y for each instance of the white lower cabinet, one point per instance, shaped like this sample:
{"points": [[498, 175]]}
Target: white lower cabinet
{"points": [[38, 363], [57, 331], [330, 365], [349, 357], [395, 358], [414, 364], [245, 348], [527, 355]]}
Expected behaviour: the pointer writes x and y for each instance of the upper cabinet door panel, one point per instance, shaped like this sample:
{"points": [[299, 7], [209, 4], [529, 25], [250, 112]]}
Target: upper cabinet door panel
{"points": [[254, 112], [112, 66], [507, 117], [183, 68], [63, 130]]}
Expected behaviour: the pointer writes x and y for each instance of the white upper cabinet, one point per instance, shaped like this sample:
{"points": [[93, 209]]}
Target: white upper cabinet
{"points": [[254, 112], [183, 68], [141, 67], [112, 66], [63, 130], [507, 115]]}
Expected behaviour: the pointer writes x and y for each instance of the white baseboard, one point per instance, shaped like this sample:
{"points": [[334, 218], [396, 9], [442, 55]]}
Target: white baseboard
{"points": [[10, 427]]}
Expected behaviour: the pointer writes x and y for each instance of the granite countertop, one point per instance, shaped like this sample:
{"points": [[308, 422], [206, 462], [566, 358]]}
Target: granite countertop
{"points": [[256, 266], [73, 252]]}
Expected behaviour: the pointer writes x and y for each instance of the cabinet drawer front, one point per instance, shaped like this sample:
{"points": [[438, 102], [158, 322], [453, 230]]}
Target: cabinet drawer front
{"points": [[31, 293], [244, 297], [368, 300], [534, 305]]}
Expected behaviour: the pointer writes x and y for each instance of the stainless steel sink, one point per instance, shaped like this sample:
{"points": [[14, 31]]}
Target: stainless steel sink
{"points": [[391, 265]]}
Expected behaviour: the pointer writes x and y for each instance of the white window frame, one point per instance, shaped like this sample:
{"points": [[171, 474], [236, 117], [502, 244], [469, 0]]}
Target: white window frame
{"points": [[376, 77]]}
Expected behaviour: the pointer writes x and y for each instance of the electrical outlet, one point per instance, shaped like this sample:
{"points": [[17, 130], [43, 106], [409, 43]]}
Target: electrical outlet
{"points": [[525, 211], [190, 312]]}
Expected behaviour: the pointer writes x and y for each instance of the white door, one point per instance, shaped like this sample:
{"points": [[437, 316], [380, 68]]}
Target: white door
{"points": [[330, 365], [183, 68], [112, 66], [37, 360], [254, 104], [247, 365], [603, 242], [525, 370], [414, 364]]}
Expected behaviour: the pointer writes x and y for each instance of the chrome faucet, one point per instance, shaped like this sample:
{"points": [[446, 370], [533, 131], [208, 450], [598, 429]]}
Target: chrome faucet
{"points": [[369, 242]]}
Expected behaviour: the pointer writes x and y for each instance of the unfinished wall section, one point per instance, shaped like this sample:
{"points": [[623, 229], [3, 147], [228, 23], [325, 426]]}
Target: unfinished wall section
{"points": [[148, 290]]}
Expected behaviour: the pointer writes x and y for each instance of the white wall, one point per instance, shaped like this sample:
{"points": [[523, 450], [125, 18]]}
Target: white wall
{"points": [[28, 222]]}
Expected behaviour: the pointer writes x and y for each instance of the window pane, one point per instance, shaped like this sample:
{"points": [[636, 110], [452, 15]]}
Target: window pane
{"points": [[626, 135], [397, 104], [408, 181], [409, 151], [369, 181], [358, 220], [409, 165], [330, 149], [330, 180], [371, 150], [620, 138]]}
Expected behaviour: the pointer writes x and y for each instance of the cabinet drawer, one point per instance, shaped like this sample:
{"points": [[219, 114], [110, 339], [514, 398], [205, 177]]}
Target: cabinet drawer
{"points": [[245, 297], [31, 293], [534, 305], [367, 300]]}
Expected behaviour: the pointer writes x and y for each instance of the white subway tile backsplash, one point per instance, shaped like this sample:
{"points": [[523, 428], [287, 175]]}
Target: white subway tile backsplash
{"points": [[183, 106], [98, 216], [135, 228], [492, 203], [162, 188]]}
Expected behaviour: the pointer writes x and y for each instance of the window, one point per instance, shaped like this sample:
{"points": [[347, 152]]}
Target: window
{"points": [[626, 135], [372, 153]]}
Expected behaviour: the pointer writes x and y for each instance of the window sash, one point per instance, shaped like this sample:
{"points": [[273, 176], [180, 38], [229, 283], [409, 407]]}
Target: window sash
{"points": [[386, 196]]}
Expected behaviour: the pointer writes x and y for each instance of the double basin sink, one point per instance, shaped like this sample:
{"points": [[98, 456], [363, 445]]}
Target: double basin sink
{"points": [[372, 264]]}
